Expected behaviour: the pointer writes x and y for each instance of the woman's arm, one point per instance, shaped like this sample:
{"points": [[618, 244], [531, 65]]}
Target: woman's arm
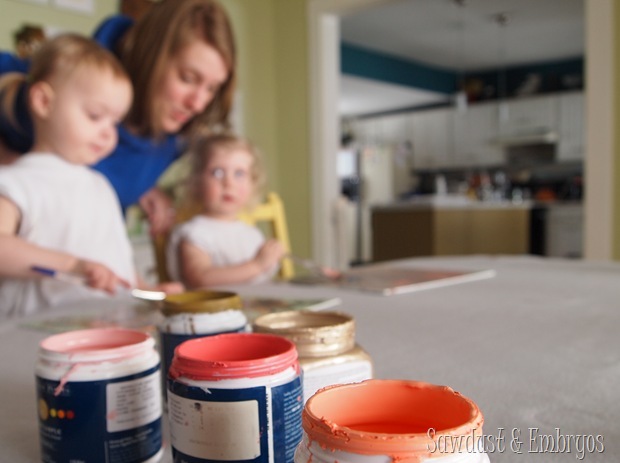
{"points": [[158, 209], [197, 269]]}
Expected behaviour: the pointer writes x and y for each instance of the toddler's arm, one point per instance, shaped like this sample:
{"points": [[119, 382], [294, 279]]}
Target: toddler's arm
{"points": [[18, 256], [197, 269]]}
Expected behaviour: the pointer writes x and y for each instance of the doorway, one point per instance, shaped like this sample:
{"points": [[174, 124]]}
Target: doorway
{"points": [[324, 17]]}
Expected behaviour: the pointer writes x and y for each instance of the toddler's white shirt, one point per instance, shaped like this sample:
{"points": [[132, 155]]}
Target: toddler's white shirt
{"points": [[68, 208], [226, 242]]}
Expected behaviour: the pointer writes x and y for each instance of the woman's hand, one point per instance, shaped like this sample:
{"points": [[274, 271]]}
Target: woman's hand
{"points": [[158, 209]]}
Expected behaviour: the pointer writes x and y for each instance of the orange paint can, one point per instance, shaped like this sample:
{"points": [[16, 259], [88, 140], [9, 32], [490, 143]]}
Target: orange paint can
{"points": [[384, 421]]}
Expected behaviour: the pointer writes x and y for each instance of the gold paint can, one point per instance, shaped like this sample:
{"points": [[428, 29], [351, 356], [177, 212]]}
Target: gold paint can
{"points": [[195, 314], [200, 301], [325, 341]]}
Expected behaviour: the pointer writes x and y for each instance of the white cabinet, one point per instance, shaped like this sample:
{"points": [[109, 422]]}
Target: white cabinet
{"points": [[365, 131], [433, 142], [395, 128], [571, 127], [389, 129], [528, 116], [474, 131], [445, 137]]}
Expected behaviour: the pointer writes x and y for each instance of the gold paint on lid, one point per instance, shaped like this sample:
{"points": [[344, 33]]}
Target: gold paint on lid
{"points": [[200, 301], [315, 334]]}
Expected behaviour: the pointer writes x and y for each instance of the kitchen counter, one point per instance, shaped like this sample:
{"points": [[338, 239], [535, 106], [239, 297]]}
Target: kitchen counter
{"points": [[449, 225], [452, 202]]}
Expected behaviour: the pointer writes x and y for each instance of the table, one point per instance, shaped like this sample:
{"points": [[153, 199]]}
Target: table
{"points": [[536, 347]]}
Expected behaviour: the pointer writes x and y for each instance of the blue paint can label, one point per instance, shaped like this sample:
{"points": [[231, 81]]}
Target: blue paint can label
{"points": [[103, 421], [258, 424]]}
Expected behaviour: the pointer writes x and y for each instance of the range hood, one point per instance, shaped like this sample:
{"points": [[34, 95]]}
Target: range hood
{"points": [[534, 137]]}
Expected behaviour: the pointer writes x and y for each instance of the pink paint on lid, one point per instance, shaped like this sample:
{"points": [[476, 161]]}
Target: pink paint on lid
{"points": [[95, 344], [390, 417], [233, 355]]}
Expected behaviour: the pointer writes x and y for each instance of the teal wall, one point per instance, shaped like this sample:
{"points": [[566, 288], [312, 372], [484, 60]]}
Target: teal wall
{"points": [[555, 76]]}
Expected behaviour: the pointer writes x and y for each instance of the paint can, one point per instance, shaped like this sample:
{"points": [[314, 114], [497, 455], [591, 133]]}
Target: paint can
{"points": [[325, 343], [379, 421], [99, 397], [195, 314], [235, 397]]}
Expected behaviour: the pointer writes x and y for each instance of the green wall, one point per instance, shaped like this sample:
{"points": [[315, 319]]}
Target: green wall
{"points": [[616, 148], [273, 85], [14, 13]]}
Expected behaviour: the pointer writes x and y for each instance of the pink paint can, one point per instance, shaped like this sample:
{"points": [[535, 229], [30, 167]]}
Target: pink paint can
{"points": [[99, 397], [382, 421]]}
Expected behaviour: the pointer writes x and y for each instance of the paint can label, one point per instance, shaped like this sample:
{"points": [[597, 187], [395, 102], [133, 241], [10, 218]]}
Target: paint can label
{"points": [[106, 421], [258, 424]]}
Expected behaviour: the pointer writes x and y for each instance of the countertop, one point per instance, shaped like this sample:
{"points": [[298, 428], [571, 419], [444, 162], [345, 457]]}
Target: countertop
{"points": [[464, 202], [450, 202]]}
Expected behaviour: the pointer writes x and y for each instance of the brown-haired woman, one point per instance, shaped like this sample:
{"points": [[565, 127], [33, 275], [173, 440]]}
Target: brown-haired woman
{"points": [[181, 59]]}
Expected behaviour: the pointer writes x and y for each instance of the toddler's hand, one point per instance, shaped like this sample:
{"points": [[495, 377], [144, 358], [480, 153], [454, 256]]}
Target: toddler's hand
{"points": [[98, 276], [269, 254]]}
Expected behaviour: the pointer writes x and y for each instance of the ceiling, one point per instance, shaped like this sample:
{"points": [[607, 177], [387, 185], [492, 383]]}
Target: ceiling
{"points": [[463, 37]]}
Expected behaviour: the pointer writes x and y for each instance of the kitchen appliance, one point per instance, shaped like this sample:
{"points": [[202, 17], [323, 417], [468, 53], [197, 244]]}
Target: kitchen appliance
{"points": [[556, 229]]}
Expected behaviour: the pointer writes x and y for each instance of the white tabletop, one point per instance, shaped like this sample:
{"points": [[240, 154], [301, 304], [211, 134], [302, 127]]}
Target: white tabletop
{"points": [[536, 347]]}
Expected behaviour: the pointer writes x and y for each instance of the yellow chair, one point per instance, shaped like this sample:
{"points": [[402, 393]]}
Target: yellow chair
{"points": [[270, 212]]}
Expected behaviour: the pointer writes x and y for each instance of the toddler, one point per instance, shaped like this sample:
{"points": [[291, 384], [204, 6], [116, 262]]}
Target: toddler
{"points": [[56, 212], [215, 247]]}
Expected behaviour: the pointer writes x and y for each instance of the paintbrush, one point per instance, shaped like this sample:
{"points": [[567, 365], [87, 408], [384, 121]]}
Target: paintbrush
{"points": [[142, 294]]}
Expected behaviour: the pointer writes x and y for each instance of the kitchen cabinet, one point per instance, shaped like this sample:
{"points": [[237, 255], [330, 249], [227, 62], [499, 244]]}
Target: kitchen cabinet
{"points": [[445, 137], [571, 127], [564, 233], [395, 128], [390, 129], [474, 131], [366, 131], [532, 115], [433, 138], [399, 232]]}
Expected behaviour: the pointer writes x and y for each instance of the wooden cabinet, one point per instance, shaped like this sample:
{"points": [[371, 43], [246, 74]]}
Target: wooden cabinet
{"points": [[412, 232]]}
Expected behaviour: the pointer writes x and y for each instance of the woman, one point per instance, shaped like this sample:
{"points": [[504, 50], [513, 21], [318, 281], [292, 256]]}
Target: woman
{"points": [[181, 59]]}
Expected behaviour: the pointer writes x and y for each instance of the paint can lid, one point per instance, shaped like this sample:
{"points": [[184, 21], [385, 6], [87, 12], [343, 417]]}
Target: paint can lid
{"points": [[200, 301], [95, 345], [315, 334]]}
